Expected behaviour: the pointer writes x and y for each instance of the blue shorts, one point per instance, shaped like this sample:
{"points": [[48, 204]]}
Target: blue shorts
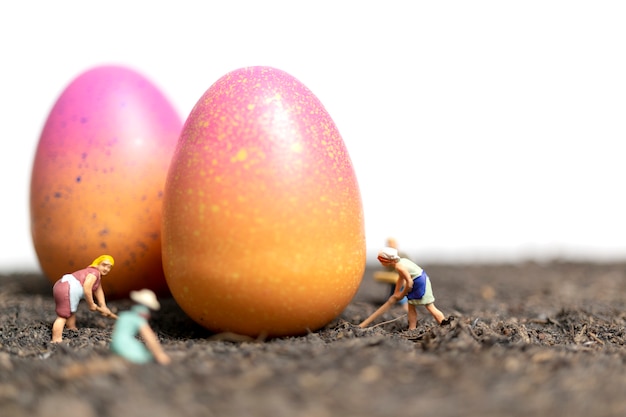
{"points": [[422, 291]]}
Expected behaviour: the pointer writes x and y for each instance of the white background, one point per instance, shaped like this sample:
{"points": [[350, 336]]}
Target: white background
{"points": [[479, 130]]}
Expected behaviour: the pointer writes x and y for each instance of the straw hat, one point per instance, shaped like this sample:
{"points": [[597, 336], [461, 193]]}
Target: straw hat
{"points": [[146, 298]]}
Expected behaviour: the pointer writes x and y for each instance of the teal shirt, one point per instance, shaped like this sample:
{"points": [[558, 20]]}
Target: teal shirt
{"points": [[123, 339]]}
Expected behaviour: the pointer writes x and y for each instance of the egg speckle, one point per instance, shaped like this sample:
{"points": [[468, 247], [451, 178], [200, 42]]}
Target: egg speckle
{"points": [[98, 177], [263, 223]]}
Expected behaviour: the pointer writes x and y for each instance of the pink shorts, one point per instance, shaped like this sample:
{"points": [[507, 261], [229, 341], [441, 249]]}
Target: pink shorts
{"points": [[61, 292]]}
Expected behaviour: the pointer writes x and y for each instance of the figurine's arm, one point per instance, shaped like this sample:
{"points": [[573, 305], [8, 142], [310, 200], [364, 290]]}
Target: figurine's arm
{"points": [[102, 302], [404, 280], [90, 280], [153, 345], [398, 290]]}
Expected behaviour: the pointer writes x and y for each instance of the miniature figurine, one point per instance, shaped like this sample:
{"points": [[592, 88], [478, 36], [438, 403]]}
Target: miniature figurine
{"points": [[135, 322], [413, 282], [82, 284], [392, 243]]}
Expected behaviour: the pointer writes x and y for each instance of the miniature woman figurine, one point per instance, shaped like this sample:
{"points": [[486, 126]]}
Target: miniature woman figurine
{"points": [[135, 322], [415, 279], [82, 284]]}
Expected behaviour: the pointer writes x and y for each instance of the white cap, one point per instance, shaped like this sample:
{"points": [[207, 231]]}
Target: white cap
{"points": [[146, 298], [389, 254]]}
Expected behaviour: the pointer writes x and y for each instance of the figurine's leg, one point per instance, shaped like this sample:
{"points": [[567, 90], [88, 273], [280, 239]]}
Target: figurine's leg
{"points": [[434, 311], [71, 322], [57, 329], [412, 314]]}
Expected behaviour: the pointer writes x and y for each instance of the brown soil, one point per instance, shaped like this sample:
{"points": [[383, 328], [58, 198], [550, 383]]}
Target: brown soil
{"points": [[528, 339]]}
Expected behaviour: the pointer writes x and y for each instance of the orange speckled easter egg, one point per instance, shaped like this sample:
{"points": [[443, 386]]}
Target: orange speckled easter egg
{"points": [[262, 219], [98, 177]]}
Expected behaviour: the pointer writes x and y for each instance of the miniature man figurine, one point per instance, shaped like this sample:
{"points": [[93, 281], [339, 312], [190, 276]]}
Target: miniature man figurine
{"points": [[416, 286], [392, 243], [82, 284], [135, 322]]}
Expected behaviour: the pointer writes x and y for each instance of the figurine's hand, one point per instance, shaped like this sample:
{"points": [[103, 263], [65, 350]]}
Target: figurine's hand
{"points": [[162, 358], [105, 311]]}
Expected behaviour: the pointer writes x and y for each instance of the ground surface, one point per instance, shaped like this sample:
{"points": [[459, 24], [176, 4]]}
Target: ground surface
{"points": [[528, 339]]}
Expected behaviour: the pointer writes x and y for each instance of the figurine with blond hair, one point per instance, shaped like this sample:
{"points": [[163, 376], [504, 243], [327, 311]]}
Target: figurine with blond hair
{"points": [[82, 284], [134, 323]]}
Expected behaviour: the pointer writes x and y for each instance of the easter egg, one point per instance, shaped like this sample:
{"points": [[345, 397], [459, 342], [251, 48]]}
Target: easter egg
{"points": [[263, 228], [98, 177]]}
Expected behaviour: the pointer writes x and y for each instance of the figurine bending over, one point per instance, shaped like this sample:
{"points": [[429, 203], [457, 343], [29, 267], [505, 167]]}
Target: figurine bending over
{"points": [[82, 284], [416, 280]]}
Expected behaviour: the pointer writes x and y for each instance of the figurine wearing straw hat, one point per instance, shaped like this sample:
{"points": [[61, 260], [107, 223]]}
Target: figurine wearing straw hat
{"points": [[135, 322]]}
